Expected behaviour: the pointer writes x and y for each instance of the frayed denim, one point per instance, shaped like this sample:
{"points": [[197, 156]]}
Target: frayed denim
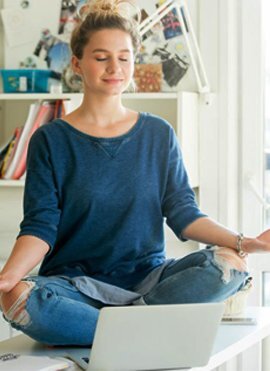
{"points": [[55, 312]]}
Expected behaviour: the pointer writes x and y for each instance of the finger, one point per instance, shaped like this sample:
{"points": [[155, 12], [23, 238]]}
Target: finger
{"points": [[264, 235]]}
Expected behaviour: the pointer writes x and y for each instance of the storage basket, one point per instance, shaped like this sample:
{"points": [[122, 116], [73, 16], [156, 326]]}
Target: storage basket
{"points": [[27, 80]]}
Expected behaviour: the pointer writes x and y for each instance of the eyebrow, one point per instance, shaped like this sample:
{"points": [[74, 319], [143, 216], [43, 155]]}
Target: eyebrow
{"points": [[107, 51]]}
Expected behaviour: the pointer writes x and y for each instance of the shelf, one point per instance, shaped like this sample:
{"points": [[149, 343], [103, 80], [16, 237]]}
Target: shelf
{"points": [[11, 183], [36, 96], [31, 96]]}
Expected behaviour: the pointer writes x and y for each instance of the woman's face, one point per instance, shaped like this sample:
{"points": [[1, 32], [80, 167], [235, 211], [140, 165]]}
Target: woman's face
{"points": [[107, 64]]}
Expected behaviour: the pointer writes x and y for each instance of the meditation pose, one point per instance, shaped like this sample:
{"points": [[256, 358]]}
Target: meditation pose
{"points": [[101, 182]]}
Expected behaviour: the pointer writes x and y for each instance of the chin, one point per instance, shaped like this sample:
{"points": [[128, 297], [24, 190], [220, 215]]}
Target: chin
{"points": [[115, 91]]}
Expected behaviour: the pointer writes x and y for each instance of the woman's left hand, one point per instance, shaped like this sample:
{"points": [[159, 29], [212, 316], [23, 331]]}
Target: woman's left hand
{"points": [[260, 244]]}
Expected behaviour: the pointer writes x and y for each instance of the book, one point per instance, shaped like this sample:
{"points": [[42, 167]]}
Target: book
{"points": [[7, 157], [11, 150], [43, 116], [4, 147], [23, 138], [5, 150], [11, 362], [59, 109]]}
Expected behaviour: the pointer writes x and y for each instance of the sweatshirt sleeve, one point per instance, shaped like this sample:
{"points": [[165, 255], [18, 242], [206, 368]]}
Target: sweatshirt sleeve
{"points": [[41, 202], [179, 205]]}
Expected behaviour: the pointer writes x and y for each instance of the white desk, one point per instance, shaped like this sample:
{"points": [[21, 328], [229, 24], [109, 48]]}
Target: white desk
{"points": [[231, 340]]}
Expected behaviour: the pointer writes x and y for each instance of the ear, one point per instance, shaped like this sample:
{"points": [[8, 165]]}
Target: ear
{"points": [[75, 63]]}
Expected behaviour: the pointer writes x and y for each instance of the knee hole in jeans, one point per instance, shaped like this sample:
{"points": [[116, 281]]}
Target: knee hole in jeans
{"points": [[17, 312], [227, 259]]}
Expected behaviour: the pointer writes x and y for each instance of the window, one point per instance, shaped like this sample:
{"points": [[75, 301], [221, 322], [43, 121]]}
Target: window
{"points": [[266, 38]]}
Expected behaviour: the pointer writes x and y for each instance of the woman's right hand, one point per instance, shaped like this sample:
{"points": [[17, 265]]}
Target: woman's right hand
{"points": [[7, 283], [26, 254]]}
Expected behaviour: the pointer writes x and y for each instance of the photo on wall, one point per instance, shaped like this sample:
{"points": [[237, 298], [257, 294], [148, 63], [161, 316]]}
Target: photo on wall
{"points": [[54, 51], [68, 16], [163, 46], [171, 25]]}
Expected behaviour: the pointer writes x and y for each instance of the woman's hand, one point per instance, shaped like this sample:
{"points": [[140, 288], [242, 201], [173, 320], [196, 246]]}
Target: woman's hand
{"points": [[260, 244], [26, 254], [7, 283]]}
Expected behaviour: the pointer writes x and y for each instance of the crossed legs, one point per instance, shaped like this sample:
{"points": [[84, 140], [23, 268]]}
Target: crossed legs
{"points": [[43, 306]]}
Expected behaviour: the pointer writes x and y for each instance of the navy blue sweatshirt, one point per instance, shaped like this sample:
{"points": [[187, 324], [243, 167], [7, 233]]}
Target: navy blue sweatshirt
{"points": [[100, 203]]}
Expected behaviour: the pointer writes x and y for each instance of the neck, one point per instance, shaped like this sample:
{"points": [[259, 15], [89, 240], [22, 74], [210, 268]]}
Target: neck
{"points": [[102, 110]]}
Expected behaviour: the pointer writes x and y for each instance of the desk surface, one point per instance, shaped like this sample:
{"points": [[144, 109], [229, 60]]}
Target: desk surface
{"points": [[231, 340]]}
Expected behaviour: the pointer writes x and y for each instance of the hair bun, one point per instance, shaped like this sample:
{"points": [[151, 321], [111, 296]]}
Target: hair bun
{"points": [[123, 8]]}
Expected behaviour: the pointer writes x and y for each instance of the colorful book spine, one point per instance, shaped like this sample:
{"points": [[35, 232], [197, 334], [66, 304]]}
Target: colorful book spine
{"points": [[5, 151], [23, 138], [11, 150], [43, 116], [13, 154]]}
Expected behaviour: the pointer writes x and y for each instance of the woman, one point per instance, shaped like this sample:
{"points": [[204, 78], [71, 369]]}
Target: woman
{"points": [[99, 184]]}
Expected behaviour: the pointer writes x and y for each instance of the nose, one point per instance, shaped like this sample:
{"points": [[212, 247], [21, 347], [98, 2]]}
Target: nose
{"points": [[113, 66]]}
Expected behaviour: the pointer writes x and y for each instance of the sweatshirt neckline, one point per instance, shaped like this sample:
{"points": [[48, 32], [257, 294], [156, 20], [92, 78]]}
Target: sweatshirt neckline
{"points": [[129, 133]]}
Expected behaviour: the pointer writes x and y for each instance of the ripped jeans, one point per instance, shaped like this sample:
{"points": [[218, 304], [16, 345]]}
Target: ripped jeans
{"points": [[56, 313]]}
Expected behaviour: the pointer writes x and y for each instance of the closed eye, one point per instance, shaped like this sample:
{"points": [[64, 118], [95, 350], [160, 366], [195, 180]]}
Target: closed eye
{"points": [[105, 59]]}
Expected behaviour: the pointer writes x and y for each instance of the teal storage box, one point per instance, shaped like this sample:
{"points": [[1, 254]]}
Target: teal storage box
{"points": [[27, 80]]}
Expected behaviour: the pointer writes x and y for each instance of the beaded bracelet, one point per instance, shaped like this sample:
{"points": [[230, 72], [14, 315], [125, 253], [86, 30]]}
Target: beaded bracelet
{"points": [[239, 249]]}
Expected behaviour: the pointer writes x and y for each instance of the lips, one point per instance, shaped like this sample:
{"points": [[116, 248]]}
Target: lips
{"points": [[113, 80]]}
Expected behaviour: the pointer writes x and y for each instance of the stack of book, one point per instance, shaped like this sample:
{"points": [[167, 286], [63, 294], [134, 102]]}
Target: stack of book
{"points": [[13, 153]]}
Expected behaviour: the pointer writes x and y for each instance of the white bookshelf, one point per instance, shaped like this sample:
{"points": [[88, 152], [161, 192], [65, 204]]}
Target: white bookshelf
{"points": [[11, 183], [44, 96]]}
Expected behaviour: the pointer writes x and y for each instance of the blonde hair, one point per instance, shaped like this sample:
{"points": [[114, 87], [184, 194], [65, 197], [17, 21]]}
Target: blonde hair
{"points": [[97, 15]]}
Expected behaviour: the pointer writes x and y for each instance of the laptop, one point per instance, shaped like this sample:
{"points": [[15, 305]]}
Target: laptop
{"points": [[157, 337]]}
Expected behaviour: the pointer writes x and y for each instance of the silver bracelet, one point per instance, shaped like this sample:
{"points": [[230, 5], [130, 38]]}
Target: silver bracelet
{"points": [[239, 243]]}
